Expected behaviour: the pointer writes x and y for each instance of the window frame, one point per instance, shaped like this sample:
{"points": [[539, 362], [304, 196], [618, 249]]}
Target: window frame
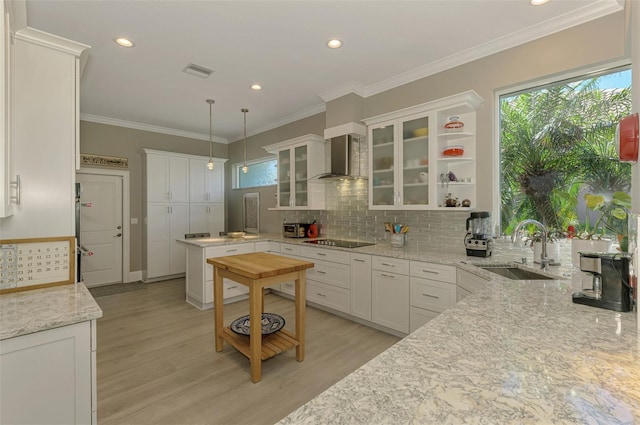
{"points": [[236, 169], [539, 83]]}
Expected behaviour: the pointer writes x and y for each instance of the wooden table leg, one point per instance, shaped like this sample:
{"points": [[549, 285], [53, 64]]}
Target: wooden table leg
{"points": [[301, 296], [217, 306], [255, 331]]}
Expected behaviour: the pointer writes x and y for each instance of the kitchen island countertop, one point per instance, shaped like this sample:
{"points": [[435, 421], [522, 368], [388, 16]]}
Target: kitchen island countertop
{"points": [[42, 309]]}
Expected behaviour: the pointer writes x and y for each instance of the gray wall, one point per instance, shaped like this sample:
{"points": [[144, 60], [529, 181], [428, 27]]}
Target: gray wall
{"points": [[102, 139]]}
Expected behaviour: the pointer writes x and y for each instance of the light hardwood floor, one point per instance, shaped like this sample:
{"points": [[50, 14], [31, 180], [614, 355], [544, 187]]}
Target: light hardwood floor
{"points": [[156, 362]]}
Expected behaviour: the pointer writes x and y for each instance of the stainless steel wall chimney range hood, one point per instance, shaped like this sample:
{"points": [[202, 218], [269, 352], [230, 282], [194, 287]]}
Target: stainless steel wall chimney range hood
{"points": [[348, 153]]}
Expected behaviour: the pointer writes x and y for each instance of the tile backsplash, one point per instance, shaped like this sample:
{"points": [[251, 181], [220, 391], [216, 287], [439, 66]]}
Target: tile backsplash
{"points": [[347, 216]]}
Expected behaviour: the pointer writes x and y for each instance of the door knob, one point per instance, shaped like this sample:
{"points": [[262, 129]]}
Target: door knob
{"points": [[119, 227], [118, 235]]}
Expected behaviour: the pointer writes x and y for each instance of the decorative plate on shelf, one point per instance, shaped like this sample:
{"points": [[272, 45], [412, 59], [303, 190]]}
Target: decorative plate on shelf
{"points": [[270, 323]]}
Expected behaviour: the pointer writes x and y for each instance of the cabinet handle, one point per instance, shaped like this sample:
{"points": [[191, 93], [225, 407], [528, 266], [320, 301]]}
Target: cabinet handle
{"points": [[388, 265], [388, 275], [16, 185], [232, 287], [169, 196], [431, 296], [358, 260], [168, 210], [288, 249], [322, 254], [320, 294], [430, 271], [206, 196], [321, 272], [231, 250]]}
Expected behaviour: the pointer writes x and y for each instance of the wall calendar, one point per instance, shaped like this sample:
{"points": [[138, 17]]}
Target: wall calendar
{"points": [[36, 263]]}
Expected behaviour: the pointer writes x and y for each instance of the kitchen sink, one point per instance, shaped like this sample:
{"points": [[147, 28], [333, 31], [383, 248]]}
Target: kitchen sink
{"points": [[517, 273]]}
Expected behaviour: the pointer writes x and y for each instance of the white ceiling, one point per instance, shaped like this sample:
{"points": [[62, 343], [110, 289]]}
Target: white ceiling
{"points": [[281, 45]]}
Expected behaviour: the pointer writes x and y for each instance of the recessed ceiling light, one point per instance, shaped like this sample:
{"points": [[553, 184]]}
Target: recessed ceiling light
{"points": [[334, 44], [256, 87], [538, 2], [124, 42]]}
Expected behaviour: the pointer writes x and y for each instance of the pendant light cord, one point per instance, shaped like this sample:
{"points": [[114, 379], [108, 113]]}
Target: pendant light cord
{"points": [[245, 168]]}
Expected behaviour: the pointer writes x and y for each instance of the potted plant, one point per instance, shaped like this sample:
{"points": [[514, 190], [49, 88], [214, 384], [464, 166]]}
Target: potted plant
{"points": [[612, 219]]}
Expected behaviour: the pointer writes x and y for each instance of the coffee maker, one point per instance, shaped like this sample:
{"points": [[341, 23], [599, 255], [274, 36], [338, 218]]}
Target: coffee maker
{"points": [[477, 241], [610, 287]]}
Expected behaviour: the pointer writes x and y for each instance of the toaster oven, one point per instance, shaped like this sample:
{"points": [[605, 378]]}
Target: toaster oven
{"points": [[295, 230]]}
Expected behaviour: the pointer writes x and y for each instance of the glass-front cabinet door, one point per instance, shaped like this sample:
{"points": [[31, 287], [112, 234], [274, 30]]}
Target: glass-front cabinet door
{"points": [[414, 188], [284, 178], [382, 182], [299, 173]]}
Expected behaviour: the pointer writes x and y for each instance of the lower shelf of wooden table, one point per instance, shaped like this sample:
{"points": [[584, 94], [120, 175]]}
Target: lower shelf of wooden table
{"points": [[272, 344]]}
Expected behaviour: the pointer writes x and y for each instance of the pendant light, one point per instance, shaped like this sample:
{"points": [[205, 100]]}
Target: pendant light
{"points": [[245, 168], [210, 163]]}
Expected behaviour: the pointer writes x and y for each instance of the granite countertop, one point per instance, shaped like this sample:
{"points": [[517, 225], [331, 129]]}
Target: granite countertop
{"points": [[38, 310], [514, 352]]}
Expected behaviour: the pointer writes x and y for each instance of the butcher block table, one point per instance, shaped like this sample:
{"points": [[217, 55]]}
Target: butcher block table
{"points": [[259, 270]]}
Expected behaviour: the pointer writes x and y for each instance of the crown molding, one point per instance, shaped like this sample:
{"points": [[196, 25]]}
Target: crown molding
{"points": [[152, 128], [287, 119], [559, 23], [348, 88]]}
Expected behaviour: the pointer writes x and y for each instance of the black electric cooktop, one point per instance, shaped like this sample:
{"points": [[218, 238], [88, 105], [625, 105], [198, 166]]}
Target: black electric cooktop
{"points": [[339, 243]]}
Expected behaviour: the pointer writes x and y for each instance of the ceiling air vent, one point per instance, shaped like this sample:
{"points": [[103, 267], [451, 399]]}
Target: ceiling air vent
{"points": [[197, 70]]}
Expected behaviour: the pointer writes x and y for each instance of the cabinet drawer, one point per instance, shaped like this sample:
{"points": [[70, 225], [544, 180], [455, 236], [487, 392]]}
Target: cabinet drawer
{"points": [[290, 249], [329, 296], [394, 265], [432, 295], [223, 251], [439, 272], [262, 246], [331, 273], [470, 282], [419, 316], [325, 254]]}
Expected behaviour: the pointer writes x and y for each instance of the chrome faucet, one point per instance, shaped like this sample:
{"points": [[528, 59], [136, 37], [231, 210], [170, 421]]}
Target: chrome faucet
{"points": [[544, 260]]}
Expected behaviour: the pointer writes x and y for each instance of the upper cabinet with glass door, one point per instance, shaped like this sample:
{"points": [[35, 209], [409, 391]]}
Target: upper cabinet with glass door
{"points": [[419, 162], [299, 161], [400, 163]]}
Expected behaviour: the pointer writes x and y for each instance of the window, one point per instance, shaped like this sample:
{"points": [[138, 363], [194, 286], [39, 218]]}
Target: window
{"points": [[557, 144], [262, 172]]}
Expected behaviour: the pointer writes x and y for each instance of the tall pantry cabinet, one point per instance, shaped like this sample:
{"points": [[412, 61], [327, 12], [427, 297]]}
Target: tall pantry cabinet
{"points": [[181, 196]]}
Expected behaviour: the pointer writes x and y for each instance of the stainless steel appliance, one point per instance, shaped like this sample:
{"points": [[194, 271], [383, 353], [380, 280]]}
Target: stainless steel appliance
{"points": [[295, 230], [339, 243], [610, 289], [478, 241]]}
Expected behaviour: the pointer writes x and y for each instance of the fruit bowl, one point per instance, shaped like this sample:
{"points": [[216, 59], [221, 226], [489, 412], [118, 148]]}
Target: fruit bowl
{"points": [[453, 151]]}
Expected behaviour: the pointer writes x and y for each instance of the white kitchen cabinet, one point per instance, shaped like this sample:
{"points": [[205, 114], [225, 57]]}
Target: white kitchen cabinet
{"points": [[206, 186], [432, 291], [299, 161], [399, 163], [165, 224], [170, 180], [206, 218], [43, 138], [49, 376], [390, 293], [167, 177], [6, 94], [408, 169], [199, 277], [361, 286]]}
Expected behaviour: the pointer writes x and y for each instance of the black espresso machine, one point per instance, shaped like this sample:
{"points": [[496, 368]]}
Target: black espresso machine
{"points": [[477, 241], [610, 288]]}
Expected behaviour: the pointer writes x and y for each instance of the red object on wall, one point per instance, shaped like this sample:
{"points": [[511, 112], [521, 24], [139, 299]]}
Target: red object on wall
{"points": [[627, 138]]}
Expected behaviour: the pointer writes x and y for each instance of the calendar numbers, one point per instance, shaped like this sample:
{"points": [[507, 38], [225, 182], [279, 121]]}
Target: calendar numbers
{"points": [[34, 263]]}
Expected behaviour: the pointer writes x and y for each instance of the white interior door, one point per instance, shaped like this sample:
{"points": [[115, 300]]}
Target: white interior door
{"points": [[101, 228]]}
